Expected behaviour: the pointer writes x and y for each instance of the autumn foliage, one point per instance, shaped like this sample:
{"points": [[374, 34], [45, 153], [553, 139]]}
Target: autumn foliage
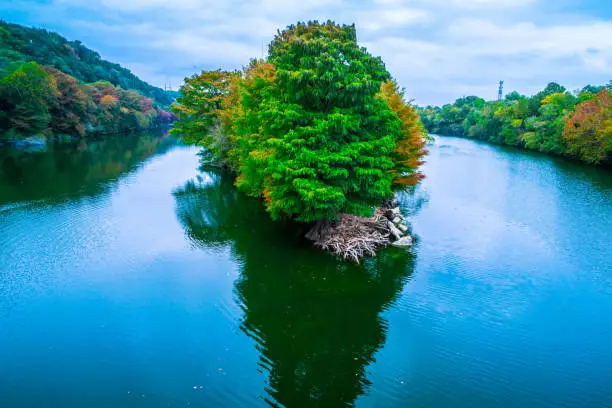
{"points": [[318, 129], [41, 100], [410, 145], [588, 132]]}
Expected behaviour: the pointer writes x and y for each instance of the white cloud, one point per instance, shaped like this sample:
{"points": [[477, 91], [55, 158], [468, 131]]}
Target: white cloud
{"points": [[438, 49], [475, 4], [554, 41], [393, 18]]}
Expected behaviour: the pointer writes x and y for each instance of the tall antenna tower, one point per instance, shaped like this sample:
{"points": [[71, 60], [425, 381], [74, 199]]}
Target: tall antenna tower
{"points": [[500, 95], [168, 84]]}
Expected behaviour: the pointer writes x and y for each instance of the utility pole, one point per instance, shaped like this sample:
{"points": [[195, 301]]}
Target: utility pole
{"points": [[501, 91]]}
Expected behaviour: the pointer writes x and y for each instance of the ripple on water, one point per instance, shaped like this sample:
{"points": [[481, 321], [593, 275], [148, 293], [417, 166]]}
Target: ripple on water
{"points": [[503, 301]]}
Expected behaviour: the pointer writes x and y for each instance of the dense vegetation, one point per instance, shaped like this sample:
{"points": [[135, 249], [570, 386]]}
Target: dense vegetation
{"points": [[42, 90], [317, 129], [574, 124], [19, 44]]}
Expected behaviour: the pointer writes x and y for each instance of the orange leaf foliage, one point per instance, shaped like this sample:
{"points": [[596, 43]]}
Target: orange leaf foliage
{"points": [[410, 147], [588, 131]]}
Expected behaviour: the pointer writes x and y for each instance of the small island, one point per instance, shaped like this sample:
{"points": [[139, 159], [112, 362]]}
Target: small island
{"points": [[319, 130]]}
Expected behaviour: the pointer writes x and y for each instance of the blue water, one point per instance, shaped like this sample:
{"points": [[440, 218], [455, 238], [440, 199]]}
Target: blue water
{"points": [[129, 278]]}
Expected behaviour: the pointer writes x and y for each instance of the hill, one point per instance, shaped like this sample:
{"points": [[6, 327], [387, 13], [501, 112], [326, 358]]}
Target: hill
{"points": [[23, 44], [51, 87]]}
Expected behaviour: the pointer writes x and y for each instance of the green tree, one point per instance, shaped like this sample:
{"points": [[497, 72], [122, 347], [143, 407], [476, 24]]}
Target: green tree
{"points": [[318, 129], [28, 91], [197, 111], [331, 136]]}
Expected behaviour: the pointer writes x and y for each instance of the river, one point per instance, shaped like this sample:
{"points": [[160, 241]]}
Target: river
{"points": [[129, 278]]}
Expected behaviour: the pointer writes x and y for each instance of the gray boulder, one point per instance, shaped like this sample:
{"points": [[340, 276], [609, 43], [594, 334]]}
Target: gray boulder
{"points": [[395, 231], [405, 242], [393, 212]]}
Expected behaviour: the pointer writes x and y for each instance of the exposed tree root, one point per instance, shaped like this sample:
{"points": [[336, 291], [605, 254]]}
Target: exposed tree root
{"points": [[352, 237]]}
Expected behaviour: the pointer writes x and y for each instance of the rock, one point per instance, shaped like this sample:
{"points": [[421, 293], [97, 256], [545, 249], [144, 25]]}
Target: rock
{"points": [[397, 220], [405, 242], [31, 144], [403, 227], [395, 231], [393, 212]]}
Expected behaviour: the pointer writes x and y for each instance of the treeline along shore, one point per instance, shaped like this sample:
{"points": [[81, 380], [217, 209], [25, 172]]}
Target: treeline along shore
{"points": [[575, 124], [52, 87]]}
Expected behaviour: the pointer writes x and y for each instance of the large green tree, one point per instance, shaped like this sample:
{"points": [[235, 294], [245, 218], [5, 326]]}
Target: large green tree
{"points": [[332, 154], [318, 129]]}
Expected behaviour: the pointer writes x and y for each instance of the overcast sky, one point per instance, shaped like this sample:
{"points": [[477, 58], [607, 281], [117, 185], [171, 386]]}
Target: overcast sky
{"points": [[439, 50]]}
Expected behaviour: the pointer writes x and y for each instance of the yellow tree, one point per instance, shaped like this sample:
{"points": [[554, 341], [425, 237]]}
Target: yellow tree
{"points": [[411, 141]]}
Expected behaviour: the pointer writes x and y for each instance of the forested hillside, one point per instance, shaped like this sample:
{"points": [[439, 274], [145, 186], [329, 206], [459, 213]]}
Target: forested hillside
{"points": [[575, 124], [24, 44], [44, 90]]}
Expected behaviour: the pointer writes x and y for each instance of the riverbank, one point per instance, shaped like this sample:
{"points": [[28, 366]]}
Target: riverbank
{"points": [[606, 164], [553, 121], [40, 142]]}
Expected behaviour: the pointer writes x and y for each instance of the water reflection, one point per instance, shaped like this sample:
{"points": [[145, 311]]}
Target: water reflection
{"points": [[74, 169], [317, 321]]}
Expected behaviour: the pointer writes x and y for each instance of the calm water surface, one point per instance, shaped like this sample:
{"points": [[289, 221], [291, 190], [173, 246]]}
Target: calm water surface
{"points": [[128, 278]]}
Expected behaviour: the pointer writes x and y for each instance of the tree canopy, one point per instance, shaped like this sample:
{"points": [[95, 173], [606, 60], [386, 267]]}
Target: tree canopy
{"points": [[555, 121], [317, 129]]}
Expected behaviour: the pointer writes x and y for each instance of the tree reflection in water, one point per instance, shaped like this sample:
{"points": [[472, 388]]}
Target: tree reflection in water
{"points": [[84, 168], [316, 320]]}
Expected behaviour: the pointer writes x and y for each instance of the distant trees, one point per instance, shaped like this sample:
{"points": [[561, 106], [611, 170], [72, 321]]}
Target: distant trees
{"points": [[27, 92], [553, 121], [44, 90], [588, 131], [42, 100], [318, 129], [20, 44]]}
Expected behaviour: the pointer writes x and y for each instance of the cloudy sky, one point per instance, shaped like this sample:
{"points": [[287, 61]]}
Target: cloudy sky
{"points": [[439, 50]]}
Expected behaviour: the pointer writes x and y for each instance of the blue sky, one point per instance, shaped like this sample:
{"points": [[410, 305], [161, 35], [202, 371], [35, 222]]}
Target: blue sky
{"points": [[438, 50]]}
